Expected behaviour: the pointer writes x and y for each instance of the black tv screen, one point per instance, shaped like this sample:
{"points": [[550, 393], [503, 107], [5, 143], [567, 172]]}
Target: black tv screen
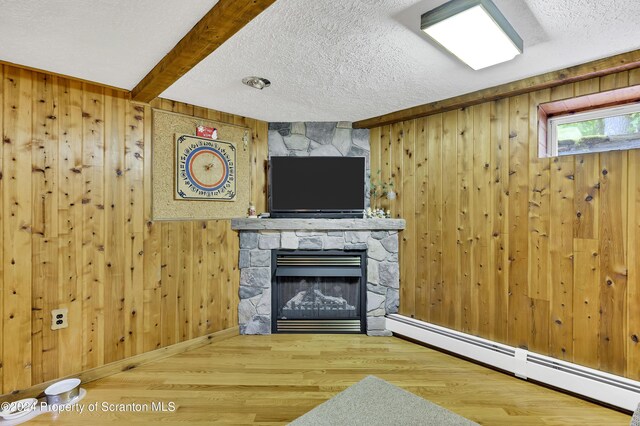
{"points": [[317, 186]]}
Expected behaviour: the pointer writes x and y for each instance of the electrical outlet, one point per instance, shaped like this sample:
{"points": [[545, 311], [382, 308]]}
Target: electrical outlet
{"points": [[59, 319]]}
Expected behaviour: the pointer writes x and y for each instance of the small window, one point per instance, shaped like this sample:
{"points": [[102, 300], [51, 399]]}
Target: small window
{"points": [[604, 129]]}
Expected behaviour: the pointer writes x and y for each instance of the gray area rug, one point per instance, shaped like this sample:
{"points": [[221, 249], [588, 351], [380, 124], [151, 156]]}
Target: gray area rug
{"points": [[372, 401]]}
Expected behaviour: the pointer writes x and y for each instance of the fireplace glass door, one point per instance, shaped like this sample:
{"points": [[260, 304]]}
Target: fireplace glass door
{"points": [[318, 297], [318, 292]]}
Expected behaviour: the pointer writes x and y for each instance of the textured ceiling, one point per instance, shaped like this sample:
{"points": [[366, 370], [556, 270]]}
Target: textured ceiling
{"points": [[348, 60], [327, 60], [114, 42]]}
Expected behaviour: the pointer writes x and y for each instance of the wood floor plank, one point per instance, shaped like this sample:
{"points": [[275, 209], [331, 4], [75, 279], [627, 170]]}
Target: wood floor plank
{"points": [[275, 379]]}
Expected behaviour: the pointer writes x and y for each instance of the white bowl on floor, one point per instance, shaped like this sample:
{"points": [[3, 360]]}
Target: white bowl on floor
{"points": [[62, 392]]}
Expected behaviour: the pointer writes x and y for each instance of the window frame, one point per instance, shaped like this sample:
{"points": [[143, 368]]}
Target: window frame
{"points": [[591, 114]]}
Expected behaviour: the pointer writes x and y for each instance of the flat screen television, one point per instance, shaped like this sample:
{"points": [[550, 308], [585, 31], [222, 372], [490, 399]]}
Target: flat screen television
{"points": [[329, 187]]}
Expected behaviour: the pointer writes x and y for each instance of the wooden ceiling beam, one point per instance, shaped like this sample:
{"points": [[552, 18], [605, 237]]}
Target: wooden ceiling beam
{"points": [[225, 19], [598, 68]]}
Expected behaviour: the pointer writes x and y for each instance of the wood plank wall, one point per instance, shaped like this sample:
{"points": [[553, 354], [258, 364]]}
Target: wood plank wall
{"points": [[537, 253], [77, 234]]}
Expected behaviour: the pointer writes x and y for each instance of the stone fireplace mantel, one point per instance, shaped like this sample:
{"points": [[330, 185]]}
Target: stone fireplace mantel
{"points": [[246, 224], [258, 237]]}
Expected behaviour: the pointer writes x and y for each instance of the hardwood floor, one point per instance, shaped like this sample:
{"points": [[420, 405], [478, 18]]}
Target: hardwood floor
{"points": [[272, 380]]}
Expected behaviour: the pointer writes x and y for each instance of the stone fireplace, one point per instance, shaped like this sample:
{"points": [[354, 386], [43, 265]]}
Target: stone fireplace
{"points": [[375, 239]]}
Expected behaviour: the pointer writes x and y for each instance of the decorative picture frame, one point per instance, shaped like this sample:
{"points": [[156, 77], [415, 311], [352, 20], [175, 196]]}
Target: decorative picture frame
{"points": [[167, 126], [205, 169]]}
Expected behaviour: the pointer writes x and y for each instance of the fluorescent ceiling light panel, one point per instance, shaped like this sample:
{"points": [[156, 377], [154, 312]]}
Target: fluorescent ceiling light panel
{"points": [[474, 31]]}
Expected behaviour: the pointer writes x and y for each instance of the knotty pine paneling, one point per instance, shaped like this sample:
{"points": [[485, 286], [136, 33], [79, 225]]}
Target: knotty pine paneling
{"points": [[536, 253], [77, 232]]}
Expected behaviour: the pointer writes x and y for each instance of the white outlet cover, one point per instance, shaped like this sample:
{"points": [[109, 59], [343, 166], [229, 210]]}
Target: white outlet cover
{"points": [[55, 313]]}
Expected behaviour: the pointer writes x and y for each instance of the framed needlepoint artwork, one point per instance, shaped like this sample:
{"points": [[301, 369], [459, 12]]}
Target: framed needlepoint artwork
{"points": [[205, 169]]}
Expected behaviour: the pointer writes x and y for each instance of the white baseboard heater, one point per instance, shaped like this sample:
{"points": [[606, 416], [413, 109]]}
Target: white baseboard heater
{"points": [[598, 385]]}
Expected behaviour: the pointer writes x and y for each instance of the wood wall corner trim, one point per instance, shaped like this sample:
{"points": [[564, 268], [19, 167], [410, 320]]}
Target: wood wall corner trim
{"points": [[225, 19], [127, 363], [597, 68]]}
